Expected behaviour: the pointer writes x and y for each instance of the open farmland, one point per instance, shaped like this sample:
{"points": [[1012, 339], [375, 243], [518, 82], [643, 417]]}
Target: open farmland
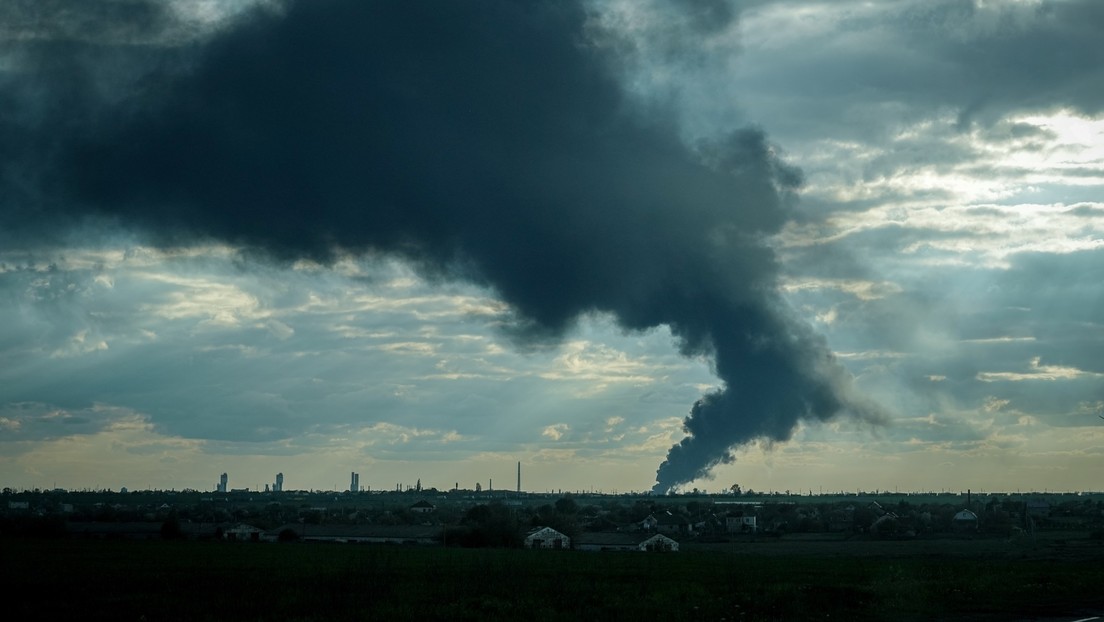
{"points": [[786, 578]]}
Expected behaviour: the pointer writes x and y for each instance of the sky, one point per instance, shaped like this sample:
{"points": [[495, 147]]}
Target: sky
{"points": [[633, 245]]}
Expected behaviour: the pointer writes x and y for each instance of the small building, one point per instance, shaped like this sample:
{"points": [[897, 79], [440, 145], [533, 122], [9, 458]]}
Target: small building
{"points": [[242, 533], [610, 541], [659, 543], [673, 524], [546, 538], [740, 524], [886, 525], [964, 522], [1038, 508], [423, 507]]}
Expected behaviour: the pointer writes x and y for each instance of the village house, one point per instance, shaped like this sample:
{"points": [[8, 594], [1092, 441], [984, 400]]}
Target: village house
{"points": [[423, 507], [242, 533], [546, 538], [739, 523], [965, 522], [659, 543], [1038, 508], [609, 541], [673, 524]]}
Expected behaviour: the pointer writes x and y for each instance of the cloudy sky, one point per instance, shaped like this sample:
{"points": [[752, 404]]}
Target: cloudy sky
{"points": [[663, 244]]}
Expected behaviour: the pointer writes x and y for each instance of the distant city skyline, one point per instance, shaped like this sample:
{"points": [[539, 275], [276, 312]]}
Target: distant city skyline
{"points": [[227, 483]]}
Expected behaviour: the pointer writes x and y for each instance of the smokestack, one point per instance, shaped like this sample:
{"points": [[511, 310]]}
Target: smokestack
{"points": [[519, 477]]}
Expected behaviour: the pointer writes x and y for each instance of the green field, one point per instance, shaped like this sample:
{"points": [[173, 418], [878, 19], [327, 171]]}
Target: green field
{"points": [[784, 579]]}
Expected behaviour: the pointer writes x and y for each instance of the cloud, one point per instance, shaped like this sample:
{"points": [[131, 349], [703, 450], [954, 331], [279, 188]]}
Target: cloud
{"points": [[488, 142], [1038, 371], [555, 432]]}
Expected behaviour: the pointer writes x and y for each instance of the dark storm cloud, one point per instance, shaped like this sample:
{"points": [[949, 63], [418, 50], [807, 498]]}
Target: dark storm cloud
{"points": [[487, 141], [877, 67], [706, 15], [115, 21], [1032, 57]]}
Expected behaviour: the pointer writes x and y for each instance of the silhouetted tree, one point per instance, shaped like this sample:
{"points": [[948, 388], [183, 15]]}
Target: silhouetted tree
{"points": [[492, 525], [567, 505]]}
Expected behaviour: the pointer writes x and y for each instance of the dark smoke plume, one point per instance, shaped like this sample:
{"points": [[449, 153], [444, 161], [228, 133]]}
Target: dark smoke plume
{"points": [[488, 141]]}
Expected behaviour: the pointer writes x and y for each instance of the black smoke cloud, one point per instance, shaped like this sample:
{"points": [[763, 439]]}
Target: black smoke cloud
{"points": [[488, 141]]}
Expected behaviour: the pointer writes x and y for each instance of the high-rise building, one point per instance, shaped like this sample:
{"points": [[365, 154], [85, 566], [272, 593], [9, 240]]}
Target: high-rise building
{"points": [[354, 482], [279, 487], [222, 483]]}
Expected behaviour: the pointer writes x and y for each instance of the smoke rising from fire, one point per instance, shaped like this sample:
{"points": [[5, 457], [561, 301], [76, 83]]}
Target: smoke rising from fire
{"points": [[486, 141]]}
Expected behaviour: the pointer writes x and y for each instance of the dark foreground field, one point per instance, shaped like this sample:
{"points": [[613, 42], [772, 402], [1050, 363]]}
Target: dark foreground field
{"points": [[156, 580]]}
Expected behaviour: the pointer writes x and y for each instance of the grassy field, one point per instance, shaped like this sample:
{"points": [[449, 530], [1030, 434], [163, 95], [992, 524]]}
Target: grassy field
{"points": [[786, 579]]}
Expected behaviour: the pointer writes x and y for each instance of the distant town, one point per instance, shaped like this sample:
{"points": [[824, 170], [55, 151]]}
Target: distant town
{"points": [[514, 518]]}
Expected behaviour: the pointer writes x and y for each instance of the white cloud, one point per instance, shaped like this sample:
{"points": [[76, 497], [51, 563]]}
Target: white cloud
{"points": [[556, 431], [79, 344], [863, 290], [1038, 371]]}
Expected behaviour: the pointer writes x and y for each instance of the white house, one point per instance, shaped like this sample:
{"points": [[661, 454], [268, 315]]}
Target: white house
{"points": [[546, 538], [423, 507], [965, 521], [242, 533], [659, 543]]}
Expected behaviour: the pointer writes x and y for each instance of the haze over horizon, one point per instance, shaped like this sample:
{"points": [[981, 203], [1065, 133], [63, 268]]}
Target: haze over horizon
{"points": [[635, 245]]}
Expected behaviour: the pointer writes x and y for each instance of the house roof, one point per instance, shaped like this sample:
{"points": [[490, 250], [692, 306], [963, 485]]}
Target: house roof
{"points": [[534, 531], [423, 504], [658, 536], [667, 518], [595, 538]]}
